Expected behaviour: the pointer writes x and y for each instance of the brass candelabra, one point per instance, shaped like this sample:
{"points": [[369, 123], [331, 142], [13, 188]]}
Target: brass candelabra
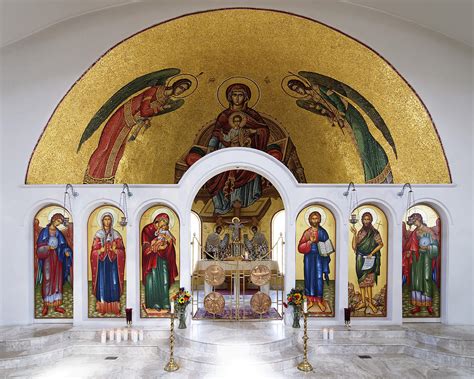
{"points": [[305, 365], [171, 365]]}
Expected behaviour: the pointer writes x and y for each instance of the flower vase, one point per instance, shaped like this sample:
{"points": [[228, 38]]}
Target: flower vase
{"points": [[296, 317], [182, 319]]}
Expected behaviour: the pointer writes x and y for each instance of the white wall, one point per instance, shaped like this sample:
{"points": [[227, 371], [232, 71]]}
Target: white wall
{"points": [[36, 73]]}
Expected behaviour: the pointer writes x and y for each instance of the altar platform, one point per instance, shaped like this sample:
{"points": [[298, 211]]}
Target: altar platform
{"points": [[239, 350]]}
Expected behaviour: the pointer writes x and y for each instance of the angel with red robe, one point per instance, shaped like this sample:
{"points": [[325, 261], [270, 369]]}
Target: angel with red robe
{"points": [[127, 113]]}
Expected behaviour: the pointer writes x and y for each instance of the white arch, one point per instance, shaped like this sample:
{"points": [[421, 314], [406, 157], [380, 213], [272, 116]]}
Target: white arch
{"points": [[238, 158]]}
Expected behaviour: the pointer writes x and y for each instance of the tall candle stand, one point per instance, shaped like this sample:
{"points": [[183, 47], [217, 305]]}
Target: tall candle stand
{"points": [[171, 365], [305, 365]]}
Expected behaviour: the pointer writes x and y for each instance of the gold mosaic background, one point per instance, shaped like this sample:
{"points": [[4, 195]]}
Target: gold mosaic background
{"points": [[253, 44]]}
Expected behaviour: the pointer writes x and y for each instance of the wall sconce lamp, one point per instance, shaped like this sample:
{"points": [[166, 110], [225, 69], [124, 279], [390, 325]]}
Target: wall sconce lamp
{"points": [[353, 202], [68, 192], [402, 192], [123, 204], [410, 197]]}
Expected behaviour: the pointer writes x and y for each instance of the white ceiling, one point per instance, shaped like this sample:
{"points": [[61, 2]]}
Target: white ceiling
{"points": [[453, 18], [21, 18]]}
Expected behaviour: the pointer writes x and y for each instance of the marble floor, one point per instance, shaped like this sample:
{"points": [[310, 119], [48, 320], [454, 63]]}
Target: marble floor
{"points": [[240, 350]]}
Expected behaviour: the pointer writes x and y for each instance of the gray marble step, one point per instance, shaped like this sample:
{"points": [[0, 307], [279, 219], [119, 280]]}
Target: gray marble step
{"points": [[243, 363], [460, 344], [23, 358]]}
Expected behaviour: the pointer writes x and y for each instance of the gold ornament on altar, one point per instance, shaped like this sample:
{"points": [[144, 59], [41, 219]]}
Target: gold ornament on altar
{"points": [[260, 302], [214, 303], [214, 275], [260, 275]]}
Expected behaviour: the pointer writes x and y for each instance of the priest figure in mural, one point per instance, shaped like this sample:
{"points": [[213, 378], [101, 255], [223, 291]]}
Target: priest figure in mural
{"points": [[55, 263], [108, 267], [237, 126], [159, 268], [420, 250], [315, 247]]}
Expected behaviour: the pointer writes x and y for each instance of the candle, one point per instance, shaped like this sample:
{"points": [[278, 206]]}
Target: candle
{"points": [[140, 335], [325, 334], [172, 307], [347, 315], [134, 336], [103, 336], [331, 334], [128, 314], [118, 335], [246, 256], [125, 334], [305, 306], [111, 334]]}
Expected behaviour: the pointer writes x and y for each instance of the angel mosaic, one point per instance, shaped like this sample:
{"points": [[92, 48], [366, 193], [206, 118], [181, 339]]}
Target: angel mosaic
{"points": [[340, 103], [127, 113]]}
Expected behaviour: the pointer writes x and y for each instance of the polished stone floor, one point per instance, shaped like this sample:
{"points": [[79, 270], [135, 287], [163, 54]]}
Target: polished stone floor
{"points": [[240, 350]]}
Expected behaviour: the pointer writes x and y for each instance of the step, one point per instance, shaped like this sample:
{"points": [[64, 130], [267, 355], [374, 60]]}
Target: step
{"points": [[244, 364], [24, 358]]}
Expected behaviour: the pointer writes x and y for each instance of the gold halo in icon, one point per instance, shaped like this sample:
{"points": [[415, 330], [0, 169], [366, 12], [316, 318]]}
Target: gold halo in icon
{"points": [[192, 78], [288, 91], [254, 89]]}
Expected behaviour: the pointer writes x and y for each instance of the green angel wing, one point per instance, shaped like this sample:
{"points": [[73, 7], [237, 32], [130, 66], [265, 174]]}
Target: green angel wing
{"points": [[148, 80], [356, 97]]}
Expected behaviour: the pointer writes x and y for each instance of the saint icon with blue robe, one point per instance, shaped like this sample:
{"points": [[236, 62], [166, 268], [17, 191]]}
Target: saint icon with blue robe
{"points": [[316, 262]]}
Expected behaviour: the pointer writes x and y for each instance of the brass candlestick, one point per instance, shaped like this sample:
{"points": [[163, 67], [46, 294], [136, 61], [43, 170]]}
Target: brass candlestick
{"points": [[305, 365], [171, 365]]}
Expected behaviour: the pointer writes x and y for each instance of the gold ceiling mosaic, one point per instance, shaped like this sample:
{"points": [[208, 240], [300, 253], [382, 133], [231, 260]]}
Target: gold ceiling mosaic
{"points": [[328, 107]]}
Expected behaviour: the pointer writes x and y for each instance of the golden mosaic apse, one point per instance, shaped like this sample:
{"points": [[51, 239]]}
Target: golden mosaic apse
{"points": [[353, 119]]}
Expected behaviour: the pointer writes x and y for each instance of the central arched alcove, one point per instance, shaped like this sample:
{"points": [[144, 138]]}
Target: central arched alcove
{"points": [[237, 266]]}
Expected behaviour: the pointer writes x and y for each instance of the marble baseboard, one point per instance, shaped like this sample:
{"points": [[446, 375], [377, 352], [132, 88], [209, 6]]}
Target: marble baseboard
{"points": [[208, 347]]}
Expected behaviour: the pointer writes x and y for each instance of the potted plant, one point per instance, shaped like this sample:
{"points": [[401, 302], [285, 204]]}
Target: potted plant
{"points": [[181, 300], [295, 298]]}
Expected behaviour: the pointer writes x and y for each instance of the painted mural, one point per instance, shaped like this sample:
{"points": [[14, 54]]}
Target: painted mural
{"points": [[159, 260], [107, 280], [236, 215], [421, 272], [236, 208], [368, 263], [339, 103], [53, 263], [319, 99], [316, 261], [130, 112]]}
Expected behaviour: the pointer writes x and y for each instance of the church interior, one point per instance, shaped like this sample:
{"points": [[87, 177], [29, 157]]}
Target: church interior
{"points": [[236, 189]]}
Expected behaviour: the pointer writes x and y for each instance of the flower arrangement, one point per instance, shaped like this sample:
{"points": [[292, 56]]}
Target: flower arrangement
{"points": [[181, 298], [295, 298]]}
